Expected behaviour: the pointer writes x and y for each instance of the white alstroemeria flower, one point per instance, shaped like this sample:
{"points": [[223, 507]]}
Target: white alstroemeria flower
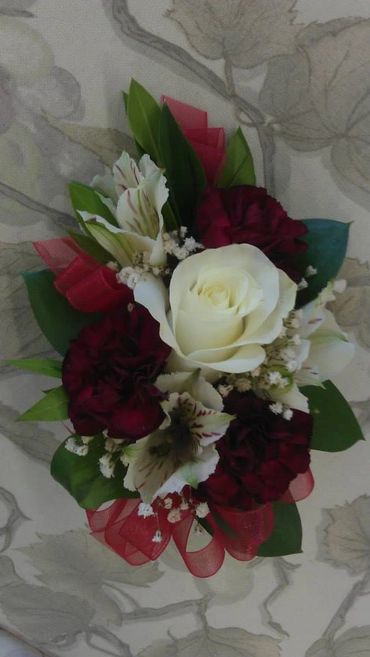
{"points": [[330, 350], [324, 350], [136, 195], [182, 451], [222, 306]]}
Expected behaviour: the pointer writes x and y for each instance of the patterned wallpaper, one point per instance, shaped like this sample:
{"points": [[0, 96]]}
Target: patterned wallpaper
{"points": [[296, 76]]}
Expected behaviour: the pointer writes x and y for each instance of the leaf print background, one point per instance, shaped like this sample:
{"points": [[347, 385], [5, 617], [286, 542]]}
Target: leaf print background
{"points": [[295, 75]]}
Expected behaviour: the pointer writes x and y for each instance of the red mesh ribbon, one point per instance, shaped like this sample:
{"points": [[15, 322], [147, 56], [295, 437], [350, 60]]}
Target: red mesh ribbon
{"points": [[89, 286], [300, 488], [131, 536], [208, 143]]}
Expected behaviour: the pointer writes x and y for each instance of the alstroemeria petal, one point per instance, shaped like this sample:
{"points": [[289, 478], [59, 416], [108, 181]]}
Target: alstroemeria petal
{"points": [[105, 185], [126, 173], [192, 474], [167, 460], [194, 384], [293, 398], [123, 246]]}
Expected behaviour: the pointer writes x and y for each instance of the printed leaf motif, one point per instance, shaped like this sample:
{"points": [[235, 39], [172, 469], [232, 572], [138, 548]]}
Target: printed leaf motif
{"points": [[59, 322], [327, 244], [320, 96], [352, 307], [232, 583], [225, 642], [52, 407], [286, 96], [76, 563], [346, 536], [106, 143], [20, 333], [239, 167], [38, 443], [8, 576], [363, 413], [286, 537], [43, 615], [81, 476], [353, 643], [16, 7], [14, 517], [335, 427], [244, 32]]}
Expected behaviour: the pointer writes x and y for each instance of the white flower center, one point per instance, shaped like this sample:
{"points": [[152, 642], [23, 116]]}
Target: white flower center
{"points": [[226, 290]]}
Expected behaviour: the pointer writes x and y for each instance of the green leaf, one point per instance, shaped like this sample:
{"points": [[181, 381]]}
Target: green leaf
{"points": [[335, 427], [169, 217], [238, 168], [143, 113], [91, 247], [59, 322], [118, 244], [46, 366], [125, 100], [183, 170], [286, 537], [140, 151], [54, 406], [87, 199], [327, 245], [223, 525], [203, 522], [81, 477]]}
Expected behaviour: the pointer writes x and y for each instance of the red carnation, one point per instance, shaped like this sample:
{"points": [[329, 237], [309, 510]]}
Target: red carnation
{"points": [[248, 214], [109, 372], [260, 454]]}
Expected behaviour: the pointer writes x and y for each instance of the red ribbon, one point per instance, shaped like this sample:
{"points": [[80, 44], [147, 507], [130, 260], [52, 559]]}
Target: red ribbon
{"points": [[88, 285], [300, 488], [208, 143], [131, 536]]}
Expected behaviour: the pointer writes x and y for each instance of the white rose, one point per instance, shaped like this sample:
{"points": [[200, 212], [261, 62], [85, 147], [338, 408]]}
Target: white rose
{"points": [[222, 306]]}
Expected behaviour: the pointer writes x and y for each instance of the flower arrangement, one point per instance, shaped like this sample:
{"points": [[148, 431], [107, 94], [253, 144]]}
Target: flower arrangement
{"points": [[193, 317]]}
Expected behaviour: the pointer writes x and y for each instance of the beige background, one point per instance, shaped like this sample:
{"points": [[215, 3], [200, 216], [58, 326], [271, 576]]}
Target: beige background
{"points": [[296, 76]]}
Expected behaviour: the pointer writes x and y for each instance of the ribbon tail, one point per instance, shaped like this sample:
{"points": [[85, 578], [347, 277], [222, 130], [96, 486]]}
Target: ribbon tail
{"points": [[300, 488]]}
